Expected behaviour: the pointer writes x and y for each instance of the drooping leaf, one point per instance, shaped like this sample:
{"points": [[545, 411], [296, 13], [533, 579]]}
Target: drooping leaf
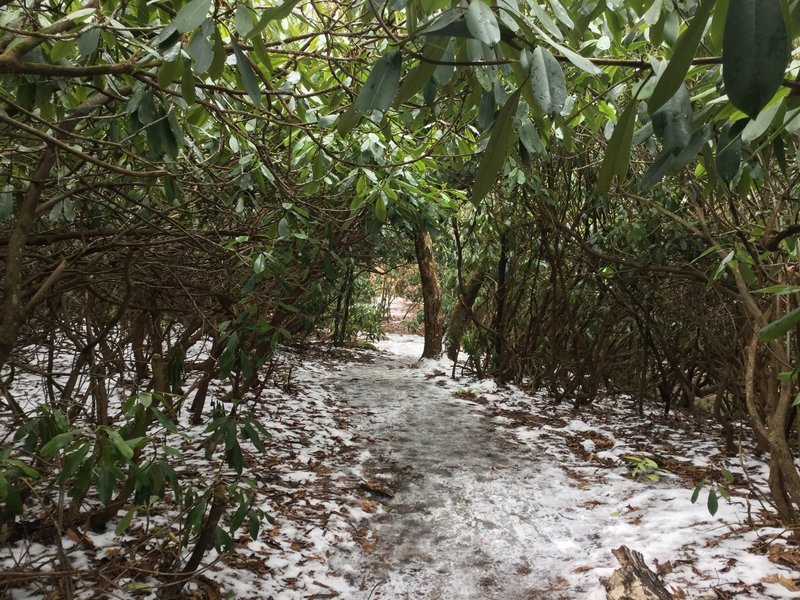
{"points": [[125, 522], [201, 49], [88, 42], [495, 154], [547, 81], [713, 502], [618, 153], [381, 85], [755, 53], [249, 79], [348, 120], [779, 327], [192, 15], [576, 59], [729, 150], [56, 443], [482, 24], [243, 19], [672, 123], [120, 444], [685, 51], [419, 76], [759, 126]]}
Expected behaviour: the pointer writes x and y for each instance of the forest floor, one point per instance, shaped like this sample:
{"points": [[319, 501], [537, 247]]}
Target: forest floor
{"points": [[389, 479]]}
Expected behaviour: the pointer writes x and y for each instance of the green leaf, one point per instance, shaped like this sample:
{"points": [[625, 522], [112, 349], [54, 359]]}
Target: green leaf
{"points": [[168, 72], [576, 59], [187, 85], [482, 24], [105, 484], [618, 153], [273, 14], [125, 521], [191, 15], [201, 48], [243, 19], [249, 79], [120, 444], [755, 53], [729, 150], [672, 123], [88, 42], [698, 488], [381, 85], [759, 126], [56, 443], [547, 81], [495, 154], [713, 502], [348, 120], [380, 208], [419, 76], [685, 50], [779, 289], [72, 462], [779, 327]]}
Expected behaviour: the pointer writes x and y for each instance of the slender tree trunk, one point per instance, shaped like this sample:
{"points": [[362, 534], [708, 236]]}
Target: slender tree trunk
{"points": [[460, 317], [431, 295], [500, 345]]}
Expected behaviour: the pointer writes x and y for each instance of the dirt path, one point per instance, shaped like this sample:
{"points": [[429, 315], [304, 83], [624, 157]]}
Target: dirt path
{"points": [[467, 520]]}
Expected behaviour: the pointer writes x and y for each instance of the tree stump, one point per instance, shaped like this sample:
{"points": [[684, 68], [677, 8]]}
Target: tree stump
{"points": [[634, 580]]}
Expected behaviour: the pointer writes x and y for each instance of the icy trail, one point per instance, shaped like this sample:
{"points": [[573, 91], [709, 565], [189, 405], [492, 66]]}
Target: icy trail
{"points": [[486, 509]]}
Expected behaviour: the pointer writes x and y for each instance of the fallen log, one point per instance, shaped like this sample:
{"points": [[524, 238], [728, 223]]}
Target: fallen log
{"points": [[634, 580]]}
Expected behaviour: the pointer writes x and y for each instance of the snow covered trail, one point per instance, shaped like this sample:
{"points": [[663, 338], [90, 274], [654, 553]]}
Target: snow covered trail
{"points": [[492, 500], [468, 519]]}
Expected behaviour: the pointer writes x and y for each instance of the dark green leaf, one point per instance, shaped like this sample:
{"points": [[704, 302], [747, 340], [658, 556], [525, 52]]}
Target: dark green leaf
{"points": [[243, 19], [713, 501], [168, 71], [191, 15], [729, 150], [618, 153], [482, 23], [547, 81], [88, 42], [56, 443], [125, 522], [672, 123], [105, 484], [755, 53], [698, 488], [419, 76], [249, 79], [495, 154], [685, 50], [381, 85], [72, 462], [201, 49]]}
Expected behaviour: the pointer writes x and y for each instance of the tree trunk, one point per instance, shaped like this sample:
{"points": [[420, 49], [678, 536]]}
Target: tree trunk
{"points": [[431, 295], [460, 317]]}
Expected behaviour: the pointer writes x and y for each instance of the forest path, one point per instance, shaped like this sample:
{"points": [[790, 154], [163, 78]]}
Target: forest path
{"points": [[475, 513]]}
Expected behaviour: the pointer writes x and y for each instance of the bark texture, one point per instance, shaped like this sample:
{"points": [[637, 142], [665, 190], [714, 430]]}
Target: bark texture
{"points": [[634, 580], [431, 295]]}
